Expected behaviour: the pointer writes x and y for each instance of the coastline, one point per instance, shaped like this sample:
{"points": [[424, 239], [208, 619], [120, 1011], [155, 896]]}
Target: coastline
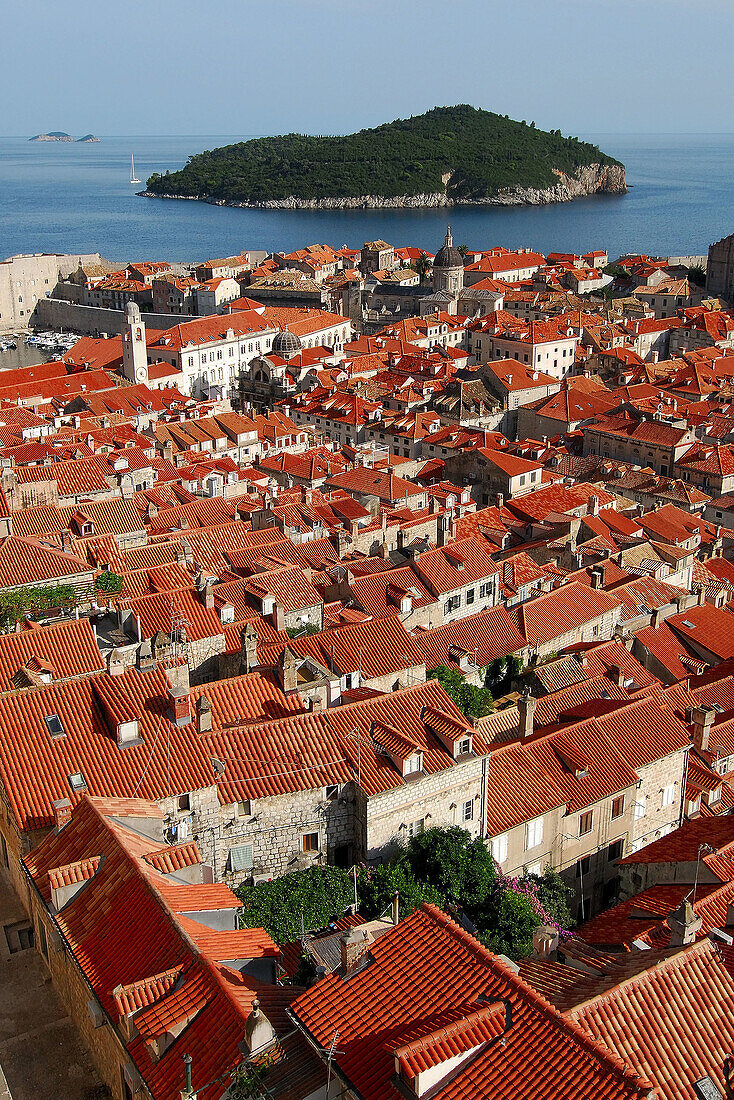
{"points": [[592, 179]]}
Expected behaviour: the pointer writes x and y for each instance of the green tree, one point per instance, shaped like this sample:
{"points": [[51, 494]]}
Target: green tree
{"points": [[108, 583], [473, 702], [316, 894], [377, 885], [697, 275], [506, 923], [15, 604], [460, 868], [463, 251], [422, 266], [552, 894]]}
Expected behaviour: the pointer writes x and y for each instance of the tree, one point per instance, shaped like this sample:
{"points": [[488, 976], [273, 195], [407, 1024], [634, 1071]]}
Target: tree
{"points": [[473, 702], [421, 266], [376, 887], [697, 275], [108, 583], [463, 251], [460, 868], [445, 866], [506, 923], [302, 899], [16, 603]]}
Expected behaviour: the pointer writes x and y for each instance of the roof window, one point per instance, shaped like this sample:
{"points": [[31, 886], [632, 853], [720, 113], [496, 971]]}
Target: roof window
{"points": [[54, 725], [77, 782], [689, 624]]}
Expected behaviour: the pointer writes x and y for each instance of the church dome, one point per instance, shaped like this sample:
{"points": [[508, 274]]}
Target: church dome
{"points": [[447, 255], [286, 344]]}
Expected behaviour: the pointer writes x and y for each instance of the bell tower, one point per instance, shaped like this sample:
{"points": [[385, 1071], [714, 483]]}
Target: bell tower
{"points": [[134, 347]]}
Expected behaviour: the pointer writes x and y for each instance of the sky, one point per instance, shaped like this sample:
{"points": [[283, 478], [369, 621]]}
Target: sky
{"points": [[250, 67]]}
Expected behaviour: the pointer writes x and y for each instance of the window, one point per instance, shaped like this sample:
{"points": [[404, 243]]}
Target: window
{"points": [[586, 820], [416, 827], [77, 782], [615, 850], [331, 791], [668, 795], [310, 842], [244, 809], [617, 807], [499, 848], [467, 811], [240, 858], [533, 833], [639, 810], [583, 866], [54, 725], [4, 850], [465, 745], [470, 595], [184, 802], [414, 763]]}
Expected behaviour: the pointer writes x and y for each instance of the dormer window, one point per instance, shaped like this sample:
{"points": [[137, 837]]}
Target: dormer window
{"points": [[463, 746], [54, 725], [413, 764]]}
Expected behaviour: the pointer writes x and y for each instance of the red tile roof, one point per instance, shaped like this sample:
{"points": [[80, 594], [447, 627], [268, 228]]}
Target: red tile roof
{"points": [[423, 994]]}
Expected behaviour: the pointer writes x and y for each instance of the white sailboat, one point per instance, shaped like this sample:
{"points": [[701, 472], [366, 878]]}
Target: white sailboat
{"points": [[133, 177]]}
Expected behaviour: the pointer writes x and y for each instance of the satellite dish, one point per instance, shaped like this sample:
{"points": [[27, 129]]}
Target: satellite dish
{"points": [[218, 766]]}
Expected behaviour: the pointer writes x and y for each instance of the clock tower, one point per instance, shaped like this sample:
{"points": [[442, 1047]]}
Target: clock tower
{"points": [[134, 347]]}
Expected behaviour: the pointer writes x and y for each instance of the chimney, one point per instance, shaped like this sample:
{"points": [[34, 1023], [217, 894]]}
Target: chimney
{"points": [[395, 907], [592, 507], [683, 924], [616, 675], [178, 694], [545, 942], [258, 1029], [702, 721], [701, 596], [168, 451], [354, 946], [500, 500], [656, 618], [289, 664], [597, 577], [526, 714], [62, 813], [278, 617], [249, 647], [203, 715]]}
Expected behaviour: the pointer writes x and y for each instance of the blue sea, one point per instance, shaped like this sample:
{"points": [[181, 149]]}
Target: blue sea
{"points": [[63, 197]]}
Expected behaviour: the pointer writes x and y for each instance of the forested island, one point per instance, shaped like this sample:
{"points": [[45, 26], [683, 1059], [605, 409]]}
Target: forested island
{"points": [[447, 155]]}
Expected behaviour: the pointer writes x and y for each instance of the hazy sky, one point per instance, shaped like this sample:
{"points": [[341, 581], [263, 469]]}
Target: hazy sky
{"points": [[330, 66]]}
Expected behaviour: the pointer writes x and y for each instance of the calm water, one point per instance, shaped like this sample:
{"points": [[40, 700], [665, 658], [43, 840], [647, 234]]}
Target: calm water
{"points": [[76, 198]]}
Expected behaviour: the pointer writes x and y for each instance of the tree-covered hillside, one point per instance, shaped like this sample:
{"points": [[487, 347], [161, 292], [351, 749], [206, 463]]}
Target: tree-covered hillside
{"points": [[481, 151]]}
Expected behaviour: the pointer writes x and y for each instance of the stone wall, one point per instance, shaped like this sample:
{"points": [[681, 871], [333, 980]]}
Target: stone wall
{"points": [[436, 799], [55, 313]]}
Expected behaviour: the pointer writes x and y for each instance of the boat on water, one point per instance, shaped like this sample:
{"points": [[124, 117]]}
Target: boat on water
{"points": [[133, 177]]}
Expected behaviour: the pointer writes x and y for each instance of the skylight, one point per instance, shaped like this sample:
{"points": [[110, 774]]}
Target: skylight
{"points": [[689, 624], [77, 782], [54, 725]]}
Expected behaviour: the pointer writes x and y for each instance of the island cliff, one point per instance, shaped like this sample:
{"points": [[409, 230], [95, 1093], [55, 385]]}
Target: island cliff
{"points": [[448, 156]]}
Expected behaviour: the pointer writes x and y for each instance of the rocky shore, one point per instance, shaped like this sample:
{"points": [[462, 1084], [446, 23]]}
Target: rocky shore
{"points": [[593, 179]]}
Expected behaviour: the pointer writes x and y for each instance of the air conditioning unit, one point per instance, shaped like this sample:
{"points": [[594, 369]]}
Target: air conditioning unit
{"points": [[257, 879]]}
